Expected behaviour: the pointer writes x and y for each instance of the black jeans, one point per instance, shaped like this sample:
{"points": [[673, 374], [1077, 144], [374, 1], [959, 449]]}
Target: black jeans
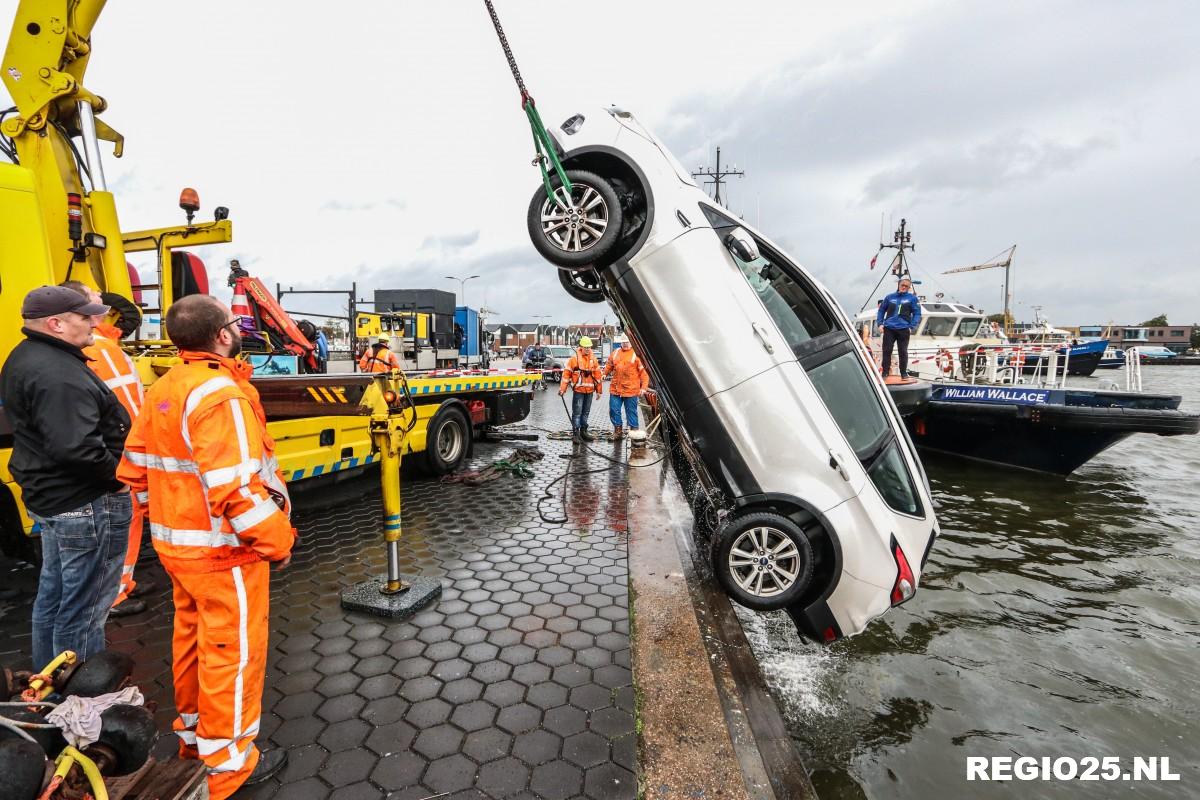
{"points": [[899, 338]]}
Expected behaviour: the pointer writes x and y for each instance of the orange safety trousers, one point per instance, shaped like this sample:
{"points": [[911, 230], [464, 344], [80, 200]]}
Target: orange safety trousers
{"points": [[220, 654], [113, 366]]}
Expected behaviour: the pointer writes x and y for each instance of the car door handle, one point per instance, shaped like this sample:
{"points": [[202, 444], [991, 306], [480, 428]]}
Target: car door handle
{"points": [[761, 333], [835, 462]]}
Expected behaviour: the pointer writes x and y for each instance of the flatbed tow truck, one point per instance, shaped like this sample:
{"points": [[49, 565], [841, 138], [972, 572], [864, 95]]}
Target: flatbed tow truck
{"points": [[58, 221]]}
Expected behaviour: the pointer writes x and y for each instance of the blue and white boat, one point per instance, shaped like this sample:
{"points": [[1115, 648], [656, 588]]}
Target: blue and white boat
{"points": [[1113, 358]]}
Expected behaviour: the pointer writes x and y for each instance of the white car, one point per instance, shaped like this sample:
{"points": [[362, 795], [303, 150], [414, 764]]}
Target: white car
{"points": [[821, 505]]}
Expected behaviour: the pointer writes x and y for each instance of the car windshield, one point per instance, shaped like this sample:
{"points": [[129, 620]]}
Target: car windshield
{"points": [[940, 326], [561, 352]]}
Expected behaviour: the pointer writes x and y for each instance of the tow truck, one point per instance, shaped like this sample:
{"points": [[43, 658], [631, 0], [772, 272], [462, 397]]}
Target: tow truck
{"points": [[59, 221]]}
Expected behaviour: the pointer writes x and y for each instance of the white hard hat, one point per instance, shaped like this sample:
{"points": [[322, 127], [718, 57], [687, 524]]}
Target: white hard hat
{"points": [[622, 339]]}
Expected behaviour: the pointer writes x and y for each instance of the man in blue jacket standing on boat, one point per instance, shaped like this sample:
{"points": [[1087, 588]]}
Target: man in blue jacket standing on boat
{"points": [[899, 315]]}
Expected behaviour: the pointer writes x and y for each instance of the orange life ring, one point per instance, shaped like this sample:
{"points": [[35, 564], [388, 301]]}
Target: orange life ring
{"points": [[945, 362]]}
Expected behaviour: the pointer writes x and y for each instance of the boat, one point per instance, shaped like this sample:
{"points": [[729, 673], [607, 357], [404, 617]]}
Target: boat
{"points": [[1084, 357], [1113, 358], [1007, 402], [1047, 430]]}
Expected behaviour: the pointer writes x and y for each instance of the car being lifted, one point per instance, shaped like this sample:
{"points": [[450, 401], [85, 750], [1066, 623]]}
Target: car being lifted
{"points": [[799, 460]]}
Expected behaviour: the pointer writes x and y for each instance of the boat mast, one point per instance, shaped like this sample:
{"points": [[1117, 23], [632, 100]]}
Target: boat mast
{"points": [[901, 241]]}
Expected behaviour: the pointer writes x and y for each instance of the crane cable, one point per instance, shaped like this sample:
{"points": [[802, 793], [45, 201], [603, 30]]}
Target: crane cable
{"points": [[543, 145]]}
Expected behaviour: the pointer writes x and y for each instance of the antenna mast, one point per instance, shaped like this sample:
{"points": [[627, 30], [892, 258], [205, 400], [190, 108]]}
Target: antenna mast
{"points": [[717, 176]]}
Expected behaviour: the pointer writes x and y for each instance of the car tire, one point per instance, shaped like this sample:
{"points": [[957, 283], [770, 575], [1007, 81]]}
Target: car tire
{"points": [[447, 440], [746, 538], [583, 285], [559, 236]]}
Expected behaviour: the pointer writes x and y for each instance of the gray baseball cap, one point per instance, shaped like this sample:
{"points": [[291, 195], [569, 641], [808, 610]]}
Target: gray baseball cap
{"points": [[46, 301]]}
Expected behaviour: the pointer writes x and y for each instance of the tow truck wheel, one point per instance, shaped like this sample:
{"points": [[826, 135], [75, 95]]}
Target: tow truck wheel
{"points": [[447, 440], [577, 229], [583, 285], [763, 560]]}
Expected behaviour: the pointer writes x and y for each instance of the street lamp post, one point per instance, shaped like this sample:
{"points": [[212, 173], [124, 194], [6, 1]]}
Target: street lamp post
{"points": [[462, 291]]}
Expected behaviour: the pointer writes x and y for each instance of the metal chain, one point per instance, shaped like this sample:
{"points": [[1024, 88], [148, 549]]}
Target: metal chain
{"points": [[512, 61]]}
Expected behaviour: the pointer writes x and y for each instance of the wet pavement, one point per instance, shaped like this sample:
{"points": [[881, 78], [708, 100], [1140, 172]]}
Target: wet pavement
{"points": [[516, 683]]}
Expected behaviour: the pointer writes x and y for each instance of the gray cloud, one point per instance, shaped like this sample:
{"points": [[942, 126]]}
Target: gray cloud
{"points": [[1060, 128], [368, 205], [451, 241], [1005, 161]]}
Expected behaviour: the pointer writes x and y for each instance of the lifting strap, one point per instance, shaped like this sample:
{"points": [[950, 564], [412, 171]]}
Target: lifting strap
{"points": [[543, 145]]}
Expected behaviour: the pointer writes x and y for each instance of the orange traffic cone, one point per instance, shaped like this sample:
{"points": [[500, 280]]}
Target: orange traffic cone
{"points": [[240, 306]]}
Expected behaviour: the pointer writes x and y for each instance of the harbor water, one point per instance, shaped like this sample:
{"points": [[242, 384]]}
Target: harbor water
{"points": [[1056, 617]]}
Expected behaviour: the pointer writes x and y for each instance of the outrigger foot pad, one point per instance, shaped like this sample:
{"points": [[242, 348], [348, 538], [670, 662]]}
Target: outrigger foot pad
{"points": [[370, 598]]}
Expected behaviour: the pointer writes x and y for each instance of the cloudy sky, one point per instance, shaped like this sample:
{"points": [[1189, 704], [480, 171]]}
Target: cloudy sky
{"points": [[383, 143]]}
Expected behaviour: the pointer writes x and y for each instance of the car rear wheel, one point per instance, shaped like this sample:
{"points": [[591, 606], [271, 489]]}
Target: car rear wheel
{"points": [[583, 285], [578, 228], [763, 560], [447, 440]]}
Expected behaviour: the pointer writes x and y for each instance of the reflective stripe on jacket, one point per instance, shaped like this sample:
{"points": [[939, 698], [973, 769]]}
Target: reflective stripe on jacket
{"points": [[382, 361], [204, 465], [629, 375], [113, 366], [582, 373]]}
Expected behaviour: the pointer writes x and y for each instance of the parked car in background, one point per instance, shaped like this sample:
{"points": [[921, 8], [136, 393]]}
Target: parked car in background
{"points": [[785, 435]]}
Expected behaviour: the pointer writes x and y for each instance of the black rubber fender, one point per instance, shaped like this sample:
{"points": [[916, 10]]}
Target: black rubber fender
{"points": [[100, 674], [22, 769], [129, 731], [50, 740]]}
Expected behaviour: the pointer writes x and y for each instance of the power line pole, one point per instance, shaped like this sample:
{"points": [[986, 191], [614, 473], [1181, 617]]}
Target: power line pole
{"points": [[717, 176]]}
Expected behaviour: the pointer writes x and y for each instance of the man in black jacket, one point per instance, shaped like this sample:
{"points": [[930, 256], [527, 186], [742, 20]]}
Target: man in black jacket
{"points": [[68, 435]]}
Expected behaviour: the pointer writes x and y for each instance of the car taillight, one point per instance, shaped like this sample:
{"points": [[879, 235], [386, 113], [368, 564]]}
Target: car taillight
{"points": [[906, 584]]}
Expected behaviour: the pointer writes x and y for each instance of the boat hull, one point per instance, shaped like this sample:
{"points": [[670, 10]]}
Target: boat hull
{"points": [[1055, 431]]}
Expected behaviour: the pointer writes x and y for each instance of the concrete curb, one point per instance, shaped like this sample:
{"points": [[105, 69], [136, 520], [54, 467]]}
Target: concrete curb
{"points": [[707, 725]]}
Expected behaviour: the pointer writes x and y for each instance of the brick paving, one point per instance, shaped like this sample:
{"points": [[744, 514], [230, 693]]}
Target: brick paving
{"points": [[515, 684]]}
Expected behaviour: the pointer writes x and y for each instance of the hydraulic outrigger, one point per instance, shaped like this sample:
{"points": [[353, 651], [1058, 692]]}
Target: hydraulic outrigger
{"points": [[393, 415]]}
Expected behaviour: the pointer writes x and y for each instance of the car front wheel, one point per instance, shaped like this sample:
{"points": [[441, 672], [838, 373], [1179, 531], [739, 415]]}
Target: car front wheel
{"points": [[578, 228], [763, 560]]}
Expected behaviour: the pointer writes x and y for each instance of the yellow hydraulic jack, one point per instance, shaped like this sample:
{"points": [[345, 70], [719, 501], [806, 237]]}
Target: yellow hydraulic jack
{"points": [[393, 415]]}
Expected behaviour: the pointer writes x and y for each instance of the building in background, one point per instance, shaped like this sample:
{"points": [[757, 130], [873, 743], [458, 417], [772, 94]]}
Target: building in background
{"points": [[1173, 337]]}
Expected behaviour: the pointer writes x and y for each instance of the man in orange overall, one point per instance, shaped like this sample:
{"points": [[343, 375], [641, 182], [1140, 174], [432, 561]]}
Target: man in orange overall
{"points": [[582, 375], [629, 382], [378, 358], [116, 369], [202, 463]]}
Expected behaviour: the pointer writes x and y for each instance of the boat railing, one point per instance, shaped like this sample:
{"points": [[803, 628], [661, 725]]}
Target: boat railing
{"points": [[1006, 363], [1133, 370]]}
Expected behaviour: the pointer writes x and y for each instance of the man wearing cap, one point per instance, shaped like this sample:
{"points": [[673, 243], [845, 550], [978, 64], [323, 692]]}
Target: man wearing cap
{"points": [[582, 376], [68, 434]]}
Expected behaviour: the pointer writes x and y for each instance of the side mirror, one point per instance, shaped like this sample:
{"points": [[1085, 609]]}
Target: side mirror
{"points": [[742, 245]]}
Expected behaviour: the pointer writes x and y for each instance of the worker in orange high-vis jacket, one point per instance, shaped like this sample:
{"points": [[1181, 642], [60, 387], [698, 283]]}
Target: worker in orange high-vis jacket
{"points": [[582, 376], [116, 369], [379, 358], [629, 382], [203, 464]]}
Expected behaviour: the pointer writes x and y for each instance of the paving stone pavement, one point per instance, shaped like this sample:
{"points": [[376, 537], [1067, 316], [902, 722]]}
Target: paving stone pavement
{"points": [[515, 684]]}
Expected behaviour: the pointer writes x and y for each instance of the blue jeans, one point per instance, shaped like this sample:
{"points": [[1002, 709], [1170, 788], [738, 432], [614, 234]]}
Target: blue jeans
{"points": [[581, 409], [82, 554], [615, 404]]}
